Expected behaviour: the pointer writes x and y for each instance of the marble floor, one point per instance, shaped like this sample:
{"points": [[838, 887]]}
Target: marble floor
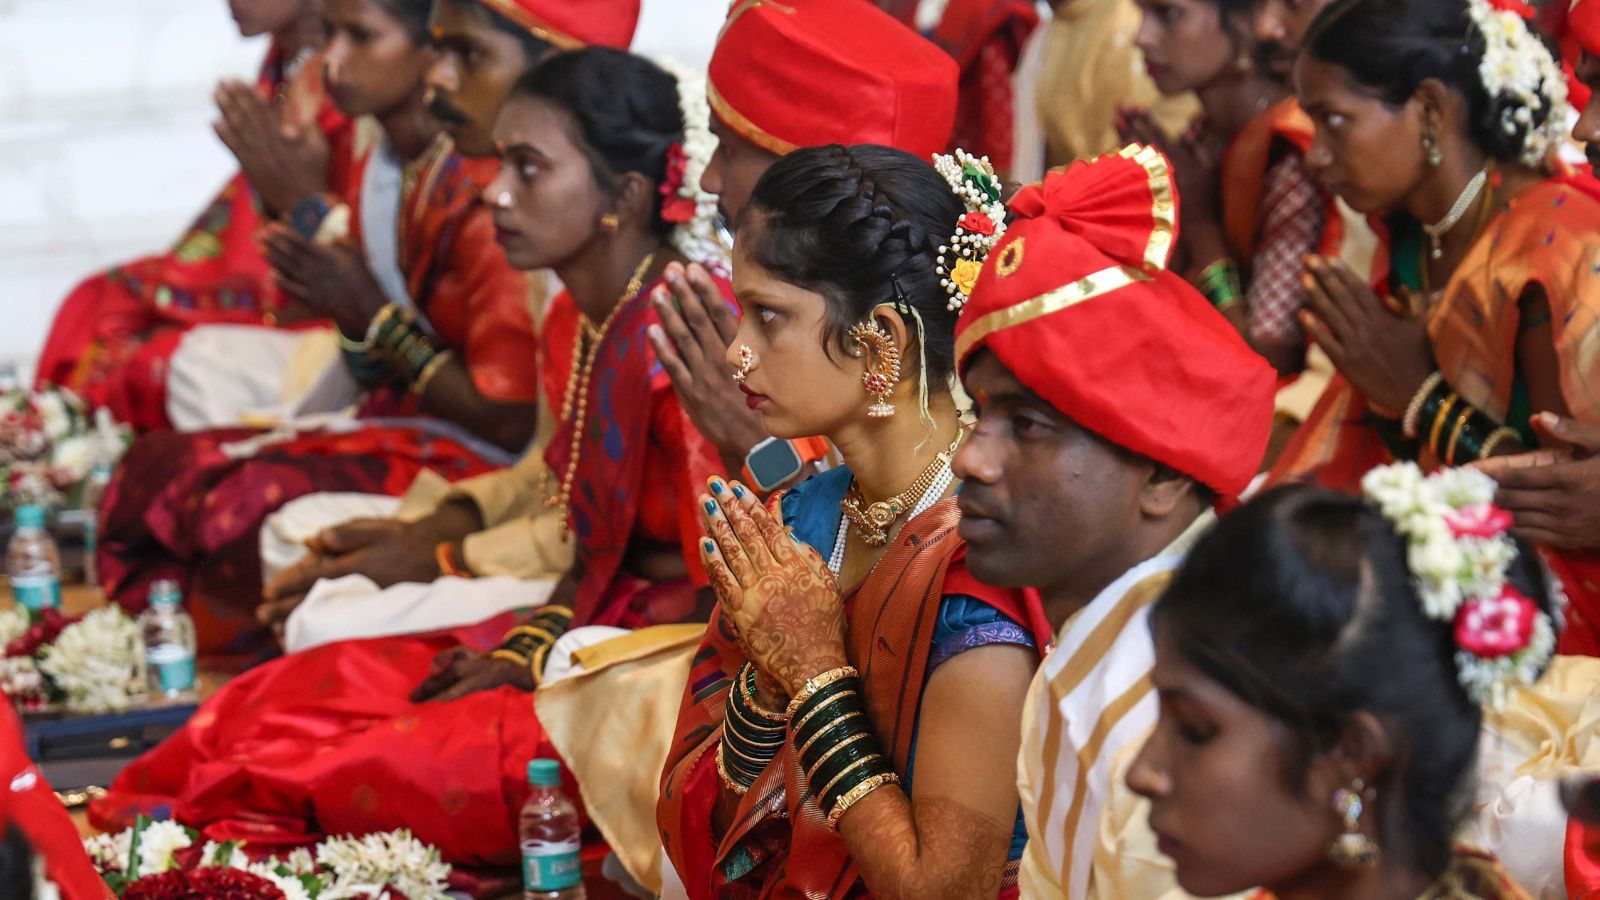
{"points": [[106, 149]]}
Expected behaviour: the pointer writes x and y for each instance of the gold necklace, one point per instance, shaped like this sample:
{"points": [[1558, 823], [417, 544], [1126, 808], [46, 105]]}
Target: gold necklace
{"points": [[873, 520], [578, 392]]}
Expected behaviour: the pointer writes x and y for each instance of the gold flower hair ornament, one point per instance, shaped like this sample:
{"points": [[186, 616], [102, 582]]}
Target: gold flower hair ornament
{"points": [[972, 179]]}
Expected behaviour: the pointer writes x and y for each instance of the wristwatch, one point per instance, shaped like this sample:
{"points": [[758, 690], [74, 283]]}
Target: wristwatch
{"points": [[307, 215], [776, 461]]}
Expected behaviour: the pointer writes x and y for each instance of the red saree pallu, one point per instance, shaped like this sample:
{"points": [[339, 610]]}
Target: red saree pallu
{"points": [[1549, 238], [100, 343], [326, 741], [779, 844]]}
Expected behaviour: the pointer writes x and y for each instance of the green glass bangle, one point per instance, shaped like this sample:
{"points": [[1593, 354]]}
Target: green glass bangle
{"points": [[827, 715], [847, 777], [842, 761], [846, 725]]}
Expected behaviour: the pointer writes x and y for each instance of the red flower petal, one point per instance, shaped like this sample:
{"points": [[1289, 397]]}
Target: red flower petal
{"points": [[1484, 520], [1492, 627], [977, 223]]}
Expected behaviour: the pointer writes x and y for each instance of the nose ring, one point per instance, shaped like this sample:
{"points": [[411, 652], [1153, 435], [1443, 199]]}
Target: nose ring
{"points": [[747, 362], [502, 200]]}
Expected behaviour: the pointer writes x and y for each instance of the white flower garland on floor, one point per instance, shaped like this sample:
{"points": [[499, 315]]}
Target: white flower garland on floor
{"points": [[96, 662], [343, 867]]}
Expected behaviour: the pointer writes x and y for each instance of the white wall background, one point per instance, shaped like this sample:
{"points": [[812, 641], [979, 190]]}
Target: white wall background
{"points": [[106, 149]]}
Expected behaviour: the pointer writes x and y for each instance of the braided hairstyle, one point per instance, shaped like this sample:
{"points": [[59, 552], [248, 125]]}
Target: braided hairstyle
{"points": [[626, 108], [861, 226], [1391, 46]]}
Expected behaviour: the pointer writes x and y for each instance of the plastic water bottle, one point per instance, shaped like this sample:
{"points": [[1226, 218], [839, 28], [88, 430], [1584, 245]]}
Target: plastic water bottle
{"points": [[551, 838], [33, 562], [94, 493], [168, 644]]}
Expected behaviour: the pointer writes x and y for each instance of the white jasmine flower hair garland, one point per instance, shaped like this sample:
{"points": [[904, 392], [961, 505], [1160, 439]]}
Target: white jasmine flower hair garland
{"points": [[692, 210], [1519, 72], [973, 180], [1458, 552]]}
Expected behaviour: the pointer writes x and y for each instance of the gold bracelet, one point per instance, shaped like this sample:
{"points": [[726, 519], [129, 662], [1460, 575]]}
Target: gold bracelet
{"points": [[532, 630], [750, 697], [818, 682], [846, 771], [512, 656], [1496, 438], [429, 371], [539, 657], [1438, 422], [824, 729], [727, 780], [1455, 433], [856, 794], [800, 725], [811, 773], [1409, 423]]}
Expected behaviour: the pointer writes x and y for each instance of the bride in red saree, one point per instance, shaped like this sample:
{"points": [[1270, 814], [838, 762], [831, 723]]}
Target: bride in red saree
{"points": [[341, 738]]}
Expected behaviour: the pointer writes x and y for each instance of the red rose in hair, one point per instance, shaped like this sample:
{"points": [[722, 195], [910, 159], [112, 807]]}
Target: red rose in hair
{"points": [[1492, 627], [977, 223], [674, 208], [1483, 520]]}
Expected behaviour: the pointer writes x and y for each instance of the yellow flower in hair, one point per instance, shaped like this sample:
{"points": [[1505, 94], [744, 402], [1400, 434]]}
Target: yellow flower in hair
{"points": [[965, 275]]}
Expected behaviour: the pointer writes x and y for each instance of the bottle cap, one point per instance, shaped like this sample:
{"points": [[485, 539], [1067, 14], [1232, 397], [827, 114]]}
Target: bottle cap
{"points": [[544, 772], [30, 516], [165, 593]]}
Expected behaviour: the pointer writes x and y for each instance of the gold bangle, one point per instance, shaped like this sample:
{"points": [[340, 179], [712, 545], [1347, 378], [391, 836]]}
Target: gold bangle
{"points": [[1496, 438], [533, 630], [559, 612], [539, 657], [512, 656], [759, 763], [824, 729], [810, 773], [1409, 423], [429, 371], [818, 682], [1438, 422], [750, 697], [846, 771], [800, 725], [727, 780], [1455, 433], [763, 731], [857, 793]]}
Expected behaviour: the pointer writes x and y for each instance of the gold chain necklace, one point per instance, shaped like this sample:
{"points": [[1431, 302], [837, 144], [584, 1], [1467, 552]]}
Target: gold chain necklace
{"points": [[873, 520], [578, 392]]}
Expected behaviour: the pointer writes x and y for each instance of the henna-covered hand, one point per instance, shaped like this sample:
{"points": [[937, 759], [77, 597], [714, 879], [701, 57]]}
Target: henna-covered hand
{"points": [[777, 592]]}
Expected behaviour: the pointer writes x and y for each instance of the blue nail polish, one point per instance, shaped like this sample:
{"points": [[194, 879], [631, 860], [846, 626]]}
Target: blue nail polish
{"points": [[710, 547], [738, 492], [711, 508], [716, 488]]}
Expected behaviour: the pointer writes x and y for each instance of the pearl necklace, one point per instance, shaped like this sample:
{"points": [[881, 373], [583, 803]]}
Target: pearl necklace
{"points": [[1464, 201], [942, 478], [578, 392]]}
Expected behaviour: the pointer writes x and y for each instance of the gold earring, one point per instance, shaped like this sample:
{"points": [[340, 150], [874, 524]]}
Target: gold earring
{"points": [[610, 222], [880, 377], [747, 362], [1352, 849], [1430, 148]]}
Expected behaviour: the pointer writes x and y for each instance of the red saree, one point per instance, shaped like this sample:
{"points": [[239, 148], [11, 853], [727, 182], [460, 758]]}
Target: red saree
{"points": [[780, 844], [1549, 238], [986, 38], [113, 335], [183, 506], [326, 742]]}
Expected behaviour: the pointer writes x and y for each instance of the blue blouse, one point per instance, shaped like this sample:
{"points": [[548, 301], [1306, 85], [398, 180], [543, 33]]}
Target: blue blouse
{"points": [[811, 508]]}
